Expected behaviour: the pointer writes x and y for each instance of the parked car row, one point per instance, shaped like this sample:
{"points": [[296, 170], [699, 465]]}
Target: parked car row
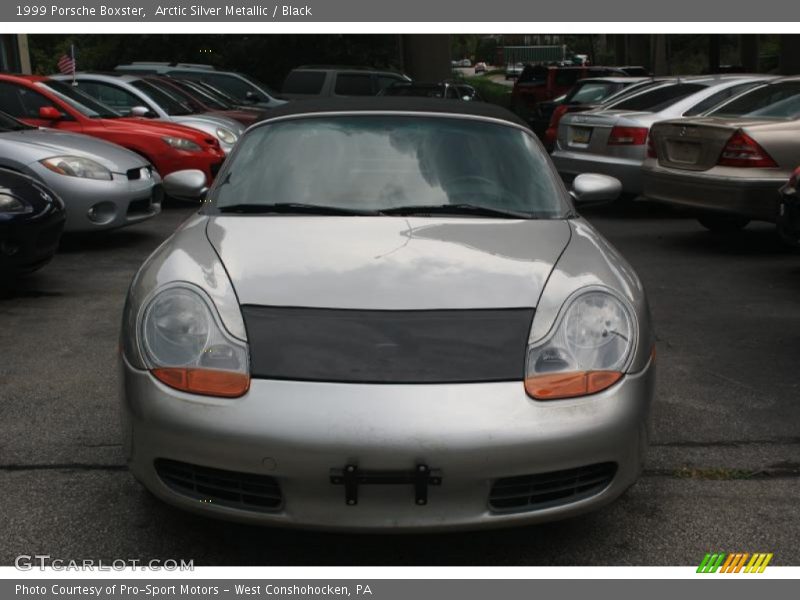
{"points": [[107, 147], [722, 146]]}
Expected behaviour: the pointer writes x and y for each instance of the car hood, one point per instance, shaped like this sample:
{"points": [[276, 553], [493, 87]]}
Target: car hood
{"points": [[209, 123], [37, 144], [153, 127], [387, 263]]}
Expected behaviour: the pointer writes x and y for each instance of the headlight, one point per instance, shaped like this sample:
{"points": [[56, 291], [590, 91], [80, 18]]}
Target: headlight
{"points": [[182, 143], [77, 166], [11, 204], [587, 351], [186, 347], [226, 135]]}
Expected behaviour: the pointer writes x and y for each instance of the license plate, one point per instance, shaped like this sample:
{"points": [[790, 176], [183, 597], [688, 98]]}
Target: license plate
{"points": [[683, 152], [580, 135]]}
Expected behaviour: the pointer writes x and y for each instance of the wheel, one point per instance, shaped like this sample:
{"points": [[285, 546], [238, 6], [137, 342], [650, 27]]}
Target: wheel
{"points": [[723, 223]]}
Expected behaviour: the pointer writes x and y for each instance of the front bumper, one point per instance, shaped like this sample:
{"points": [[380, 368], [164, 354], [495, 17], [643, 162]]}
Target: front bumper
{"points": [[95, 205], [298, 431], [28, 245], [627, 170], [754, 198]]}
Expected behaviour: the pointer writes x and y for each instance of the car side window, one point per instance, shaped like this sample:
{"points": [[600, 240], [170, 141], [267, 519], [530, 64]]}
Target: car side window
{"points": [[304, 82], [10, 101], [31, 103], [115, 97], [354, 84], [385, 81]]}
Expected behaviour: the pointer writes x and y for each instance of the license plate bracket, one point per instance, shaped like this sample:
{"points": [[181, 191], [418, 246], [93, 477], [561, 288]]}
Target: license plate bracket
{"points": [[683, 152], [351, 477], [580, 135]]}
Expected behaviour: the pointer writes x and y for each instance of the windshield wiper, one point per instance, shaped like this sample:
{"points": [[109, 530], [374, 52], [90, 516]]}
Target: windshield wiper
{"points": [[456, 209], [288, 208]]}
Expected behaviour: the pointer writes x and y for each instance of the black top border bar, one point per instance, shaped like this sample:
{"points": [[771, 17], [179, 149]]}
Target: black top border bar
{"points": [[497, 11]]}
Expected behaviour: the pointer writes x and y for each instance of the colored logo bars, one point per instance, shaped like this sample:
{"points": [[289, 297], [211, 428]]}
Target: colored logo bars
{"points": [[735, 562]]}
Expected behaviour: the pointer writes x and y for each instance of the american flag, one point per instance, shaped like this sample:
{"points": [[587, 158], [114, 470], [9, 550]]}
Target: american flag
{"points": [[66, 64]]}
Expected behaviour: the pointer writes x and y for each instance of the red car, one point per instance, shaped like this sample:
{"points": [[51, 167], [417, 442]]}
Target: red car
{"points": [[203, 103], [539, 83], [169, 147]]}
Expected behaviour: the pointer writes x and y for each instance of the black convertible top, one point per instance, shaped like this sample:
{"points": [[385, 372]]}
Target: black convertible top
{"points": [[393, 104]]}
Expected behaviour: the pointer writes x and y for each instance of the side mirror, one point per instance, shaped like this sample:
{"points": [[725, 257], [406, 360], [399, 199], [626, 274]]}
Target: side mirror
{"points": [[189, 184], [50, 113], [141, 111], [593, 187]]}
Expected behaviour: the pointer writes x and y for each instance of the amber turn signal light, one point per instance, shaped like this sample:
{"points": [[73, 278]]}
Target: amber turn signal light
{"points": [[208, 382], [554, 386]]}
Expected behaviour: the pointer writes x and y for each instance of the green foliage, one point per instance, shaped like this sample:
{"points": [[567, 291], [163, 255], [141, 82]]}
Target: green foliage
{"points": [[495, 93]]}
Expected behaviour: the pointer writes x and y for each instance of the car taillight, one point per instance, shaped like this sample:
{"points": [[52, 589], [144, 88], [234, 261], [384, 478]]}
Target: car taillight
{"points": [[651, 147], [791, 186], [559, 112], [743, 151], [794, 180], [628, 136]]}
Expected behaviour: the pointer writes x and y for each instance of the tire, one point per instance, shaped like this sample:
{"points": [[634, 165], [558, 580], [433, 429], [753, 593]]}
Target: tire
{"points": [[723, 223]]}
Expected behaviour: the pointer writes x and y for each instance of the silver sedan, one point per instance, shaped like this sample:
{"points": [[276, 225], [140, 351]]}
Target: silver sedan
{"points": [[103, 186], [390, 318], [133, 96], [613, 140], [729, 165]]}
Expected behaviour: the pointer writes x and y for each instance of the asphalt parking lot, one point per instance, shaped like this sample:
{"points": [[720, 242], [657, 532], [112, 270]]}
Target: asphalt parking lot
{"points": [[723, 471]]}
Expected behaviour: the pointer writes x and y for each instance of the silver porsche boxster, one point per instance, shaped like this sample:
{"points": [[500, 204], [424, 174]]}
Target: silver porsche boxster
{"points": [[388, 315]]}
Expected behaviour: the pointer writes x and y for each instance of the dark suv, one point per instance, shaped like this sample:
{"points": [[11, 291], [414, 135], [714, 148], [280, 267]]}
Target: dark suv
{"points": [[326, 81]]}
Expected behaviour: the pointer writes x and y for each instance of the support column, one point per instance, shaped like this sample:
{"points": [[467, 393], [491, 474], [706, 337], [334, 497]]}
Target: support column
{"points": [[749, 52], [789, 54], [713, 53], [660, 64], [426, 57]]}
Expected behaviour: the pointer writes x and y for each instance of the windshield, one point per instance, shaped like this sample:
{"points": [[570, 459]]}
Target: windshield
{"points": [[9, 123], [259, 84], [84, 104], [592, 91], [205, 96], [779, 100], [658, 99], [221, 94], [169, 103], [376, 163], [176, 94]]}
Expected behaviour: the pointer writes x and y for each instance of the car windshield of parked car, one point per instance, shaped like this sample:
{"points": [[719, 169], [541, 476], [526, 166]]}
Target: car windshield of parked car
{"points": [[376, 163], [204, 95], [592, 91], [83, 103], [169, 103], [658, 99], [260, 85], [9, 123], [779, 100], [532, 74], [180, 95]]}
